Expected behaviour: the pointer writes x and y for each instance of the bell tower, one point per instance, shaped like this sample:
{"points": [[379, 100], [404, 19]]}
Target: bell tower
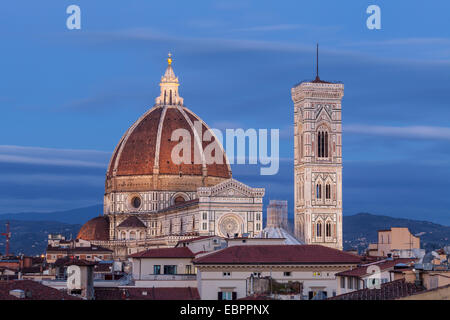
{"points": [[318, 161]]}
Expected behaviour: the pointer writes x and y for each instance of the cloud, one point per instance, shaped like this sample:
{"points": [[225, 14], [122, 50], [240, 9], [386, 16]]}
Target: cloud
{"points": [[418, 132], [229, 5], [283, 27], [403, 42], [49, 179], [44, 204], [53, 157], [53, 179], [191, 43]]}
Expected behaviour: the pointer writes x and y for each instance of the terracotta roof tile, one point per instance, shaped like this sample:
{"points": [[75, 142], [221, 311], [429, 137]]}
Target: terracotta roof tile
{"points": [[35, 290], [135, 153], [182, 252], [194, 239], [184, 204], [95, 229], [132, 222], [388, 291], [79, 262], [279, 254], [383, 265]]}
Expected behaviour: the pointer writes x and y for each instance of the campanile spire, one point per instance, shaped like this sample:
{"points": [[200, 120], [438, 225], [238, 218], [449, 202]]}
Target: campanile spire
{"points": [[317, 62]]}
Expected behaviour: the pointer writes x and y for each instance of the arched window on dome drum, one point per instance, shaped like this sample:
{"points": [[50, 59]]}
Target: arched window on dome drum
{"points": [[319, 229], [123, 235], [132, 235], [136, 202], [179, 200], [328, 229], [319, 191]]}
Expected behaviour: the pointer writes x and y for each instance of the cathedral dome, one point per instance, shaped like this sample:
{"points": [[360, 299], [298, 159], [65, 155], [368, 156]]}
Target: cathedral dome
{"points": [[95, 229], [142, 160]]}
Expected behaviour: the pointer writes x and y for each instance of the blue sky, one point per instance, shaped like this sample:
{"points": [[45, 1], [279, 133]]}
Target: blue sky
{"points": [[67, 96]]}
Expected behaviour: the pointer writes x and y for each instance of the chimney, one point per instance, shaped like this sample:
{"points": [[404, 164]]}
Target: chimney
{"points": [[80, 280]]}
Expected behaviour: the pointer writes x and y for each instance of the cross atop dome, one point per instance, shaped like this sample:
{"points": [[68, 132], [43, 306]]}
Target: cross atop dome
{"points": [[169, 86]]}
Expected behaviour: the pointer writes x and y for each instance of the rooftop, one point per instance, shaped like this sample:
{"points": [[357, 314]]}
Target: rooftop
{"points": [[388, 291], [33, 291], [279, 254], [132, 222], [194, 239], [382, 264], [181, 252], [78, 249], [270, 232]]}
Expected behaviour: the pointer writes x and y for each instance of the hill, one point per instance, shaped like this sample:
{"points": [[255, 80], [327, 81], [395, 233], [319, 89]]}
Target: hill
{"points": [[75, 216], [30, 238], [361, 229]]}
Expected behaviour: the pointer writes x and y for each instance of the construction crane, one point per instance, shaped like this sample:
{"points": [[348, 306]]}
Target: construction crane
{"points": [[7, 234]]}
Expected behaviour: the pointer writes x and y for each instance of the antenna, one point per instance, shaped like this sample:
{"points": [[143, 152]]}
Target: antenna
{"points": [[317, 62]]}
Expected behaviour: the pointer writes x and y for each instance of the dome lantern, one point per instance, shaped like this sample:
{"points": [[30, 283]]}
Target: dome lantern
{"points": [[169, 87]]}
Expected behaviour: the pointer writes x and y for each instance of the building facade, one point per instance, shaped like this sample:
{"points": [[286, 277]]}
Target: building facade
{"points": [[225, 274], [277, 214], [395, 242], [318, 162]]}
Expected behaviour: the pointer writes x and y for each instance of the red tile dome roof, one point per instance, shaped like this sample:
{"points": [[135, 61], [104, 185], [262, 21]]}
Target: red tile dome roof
{"points": [[146, 147], [142, 160], [95, 229]]}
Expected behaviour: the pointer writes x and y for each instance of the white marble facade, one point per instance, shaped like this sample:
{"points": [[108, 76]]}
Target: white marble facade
{"points": [[318, 162], [226, 209]]}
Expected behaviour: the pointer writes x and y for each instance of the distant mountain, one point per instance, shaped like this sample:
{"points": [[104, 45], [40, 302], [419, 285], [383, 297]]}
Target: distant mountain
{"points": [[75, 216], [361, 229], [30, 237]]}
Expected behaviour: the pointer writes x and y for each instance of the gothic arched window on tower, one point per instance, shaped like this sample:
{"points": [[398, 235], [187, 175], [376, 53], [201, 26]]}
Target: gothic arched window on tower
{"points": [[322, 144], [319, 191], [319, 144], [328, 192], [319, 229], [328, 229]]}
